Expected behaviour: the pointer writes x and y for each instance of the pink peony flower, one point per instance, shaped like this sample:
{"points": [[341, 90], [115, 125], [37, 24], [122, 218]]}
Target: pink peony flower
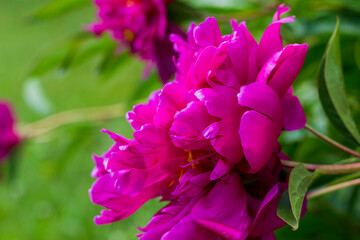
{"points": [[141, 25], [8, 137], [241, 92], [200, 139]]}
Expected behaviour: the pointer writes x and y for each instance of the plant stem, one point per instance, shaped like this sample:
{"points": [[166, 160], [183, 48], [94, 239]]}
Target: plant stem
{"points": [[333, 188], [332, 142], [325, 169], [71, 116]]}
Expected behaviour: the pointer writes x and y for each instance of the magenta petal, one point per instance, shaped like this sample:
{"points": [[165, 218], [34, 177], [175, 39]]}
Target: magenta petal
{"points": [[288, 67], [271, 41], [186, 130], [225, 231], [8, 136], [243, 53], [104, 192], [202, 66], [208, 33], [222, 167], [263, 99], [171, 100], [99, 168], [144, 113], [259, 138], [282, 9], [294, 115], [222, 102], [187, 229], [222, 77], [210, 58], [266, 220], [225, 204]]}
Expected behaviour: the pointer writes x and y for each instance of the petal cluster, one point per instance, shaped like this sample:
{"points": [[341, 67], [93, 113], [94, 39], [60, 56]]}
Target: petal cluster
{"points": [[8, 136], [142, 26], [241, 87], [207, 142]]}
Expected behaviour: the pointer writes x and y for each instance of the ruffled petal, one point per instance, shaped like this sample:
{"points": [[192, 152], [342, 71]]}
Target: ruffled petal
{"points": [[171, 100], [283, 67], [186, 130], [208, 33], [224, 210], [104, 193], [243, 53]]}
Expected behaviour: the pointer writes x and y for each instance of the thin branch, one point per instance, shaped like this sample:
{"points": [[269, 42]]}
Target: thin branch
{"points": [[332, 142], [325, 169], [71, 116], [333, 188]]}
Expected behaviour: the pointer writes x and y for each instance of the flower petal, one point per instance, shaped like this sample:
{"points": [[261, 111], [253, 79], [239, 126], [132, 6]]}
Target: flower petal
{"points": [[266, 219], [271, 41], [186, 130], [263, 99], [208, 33], [294, 115], [259, 138]]}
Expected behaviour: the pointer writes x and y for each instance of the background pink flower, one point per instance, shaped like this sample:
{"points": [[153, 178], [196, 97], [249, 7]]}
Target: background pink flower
{"points": [[141, 25], [8, 136]]}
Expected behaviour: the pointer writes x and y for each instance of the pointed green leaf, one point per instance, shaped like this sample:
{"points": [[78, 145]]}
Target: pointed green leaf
{"points": [[332, 90], [284, 210], [291, 201]]}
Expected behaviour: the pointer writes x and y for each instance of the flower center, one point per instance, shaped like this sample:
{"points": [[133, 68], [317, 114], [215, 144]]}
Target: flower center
{"points": [[128, 35]]}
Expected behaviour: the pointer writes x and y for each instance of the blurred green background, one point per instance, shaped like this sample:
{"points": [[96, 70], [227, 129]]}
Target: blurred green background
{"points": [[43, 190]]}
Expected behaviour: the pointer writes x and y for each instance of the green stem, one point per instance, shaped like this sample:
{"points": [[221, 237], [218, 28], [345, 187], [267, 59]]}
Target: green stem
{"points": [[71, 116], [333, 188], [332, 142], [325, 169]]}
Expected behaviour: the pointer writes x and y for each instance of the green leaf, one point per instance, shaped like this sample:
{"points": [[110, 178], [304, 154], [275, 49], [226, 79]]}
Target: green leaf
{"points": [[59, 7], [284, 210], [291, 201], [13, 162], [64, 55], [332, 90], [111, 62]]}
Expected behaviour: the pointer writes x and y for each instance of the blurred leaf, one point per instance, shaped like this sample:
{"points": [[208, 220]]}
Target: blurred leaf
{"points": [[35, 97], [357, 53], [291, 201], [111, 62], [77, 50], [13, 162], [73, 47], [144, 89], [59, 7], [92, 48], [178, 12], [332, 90], [49, 62]]}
